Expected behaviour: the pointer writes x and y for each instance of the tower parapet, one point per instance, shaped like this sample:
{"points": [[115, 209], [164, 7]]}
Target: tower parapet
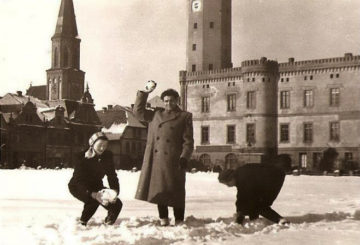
{"points": [[262, 65]]}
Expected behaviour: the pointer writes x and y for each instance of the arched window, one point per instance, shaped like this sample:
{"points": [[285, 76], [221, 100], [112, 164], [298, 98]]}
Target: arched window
{"points": [[66, 57], [55, 57], [231, 161], [205, 159]]}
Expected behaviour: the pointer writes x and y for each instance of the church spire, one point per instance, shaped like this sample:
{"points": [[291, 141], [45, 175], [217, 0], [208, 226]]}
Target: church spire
{"points": [[65, 80], [66, 22]]}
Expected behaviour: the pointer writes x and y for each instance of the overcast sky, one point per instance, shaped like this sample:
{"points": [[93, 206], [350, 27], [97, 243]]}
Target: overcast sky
{"points": [[126, 43]]}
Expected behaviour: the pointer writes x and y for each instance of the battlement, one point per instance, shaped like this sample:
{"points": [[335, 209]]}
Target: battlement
{"points": [[210, 74], [347, 60], [261, 65]]}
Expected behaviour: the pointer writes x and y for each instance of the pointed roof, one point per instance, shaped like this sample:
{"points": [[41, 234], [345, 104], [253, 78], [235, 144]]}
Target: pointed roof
{"points": [[66, 22]]}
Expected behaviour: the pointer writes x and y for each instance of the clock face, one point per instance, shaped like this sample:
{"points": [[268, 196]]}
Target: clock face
{"points": [[196, 5]]}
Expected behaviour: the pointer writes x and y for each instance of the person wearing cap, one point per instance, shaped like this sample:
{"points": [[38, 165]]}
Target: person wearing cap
{"points": [[169, 146], [257, 185], [86, 183]]}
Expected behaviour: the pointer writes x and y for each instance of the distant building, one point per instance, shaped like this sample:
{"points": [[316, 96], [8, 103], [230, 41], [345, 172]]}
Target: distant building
{"points": [[52, 123], [265, 108], [127, 136], [44, 133]]}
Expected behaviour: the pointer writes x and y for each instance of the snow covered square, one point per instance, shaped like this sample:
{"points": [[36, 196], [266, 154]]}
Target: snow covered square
{"points": [[36, 208]]}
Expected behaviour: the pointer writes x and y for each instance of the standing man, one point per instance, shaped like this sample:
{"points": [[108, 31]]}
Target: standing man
{"points": [[168, 149]]}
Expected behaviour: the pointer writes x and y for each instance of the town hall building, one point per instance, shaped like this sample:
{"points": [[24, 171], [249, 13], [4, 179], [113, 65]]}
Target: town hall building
{"points": [[263, 107]]}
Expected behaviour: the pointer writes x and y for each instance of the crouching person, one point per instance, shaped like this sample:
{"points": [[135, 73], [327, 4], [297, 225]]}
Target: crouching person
{"points": [[257, 185], [86, 183]]}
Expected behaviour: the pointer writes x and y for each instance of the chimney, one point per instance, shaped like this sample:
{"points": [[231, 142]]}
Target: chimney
{"points": [[291, 60], [110, 107], [348, 55], [19, 93], [104, 109]]}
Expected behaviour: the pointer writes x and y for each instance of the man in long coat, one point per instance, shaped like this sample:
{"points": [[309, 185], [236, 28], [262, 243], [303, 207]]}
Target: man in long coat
{"points": [[169, 147]]}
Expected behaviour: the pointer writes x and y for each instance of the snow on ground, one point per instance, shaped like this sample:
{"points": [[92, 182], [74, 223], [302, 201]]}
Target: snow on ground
{"points": [[36, 208]]}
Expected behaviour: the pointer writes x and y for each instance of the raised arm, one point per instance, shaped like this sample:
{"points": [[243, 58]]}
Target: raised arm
{"points": [[139, 110]]}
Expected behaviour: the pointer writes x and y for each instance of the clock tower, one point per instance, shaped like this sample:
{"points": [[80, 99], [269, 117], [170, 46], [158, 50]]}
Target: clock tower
{"points": [[65, 80], [209, 35]]}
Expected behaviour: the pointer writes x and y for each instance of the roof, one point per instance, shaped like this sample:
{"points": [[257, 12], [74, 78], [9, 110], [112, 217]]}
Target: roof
{"points": [[37, 92], [119, 115], [109, 117], [73, 110], [156, 102], [112, 136], [66, 22]]}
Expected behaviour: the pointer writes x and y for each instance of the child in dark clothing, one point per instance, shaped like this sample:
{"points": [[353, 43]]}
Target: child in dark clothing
{"points": [[86, 183], [257, 185]]}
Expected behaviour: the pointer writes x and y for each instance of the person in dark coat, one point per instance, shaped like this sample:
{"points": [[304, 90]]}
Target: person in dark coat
{"points": [[169, 146], [86, 183], [257, 185]]}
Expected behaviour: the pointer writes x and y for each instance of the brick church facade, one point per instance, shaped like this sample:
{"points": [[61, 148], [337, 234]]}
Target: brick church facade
{"points": [[298, 108]]}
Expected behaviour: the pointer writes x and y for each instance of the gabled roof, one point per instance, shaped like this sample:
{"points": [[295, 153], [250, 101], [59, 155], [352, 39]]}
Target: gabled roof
{"points": [[74, 111], [112, 116], [37, 92], [119, 115]]}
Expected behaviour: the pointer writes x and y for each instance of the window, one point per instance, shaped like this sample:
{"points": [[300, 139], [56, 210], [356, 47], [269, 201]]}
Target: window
{"points": [[348, 156], [285, 99], [55, 57], [334, 97], [204, 134], [211, 24], [195, 25], [303, 160], [205, 159], [194, 47], [251, 100], [205, 104], [211, 66], [311, 77], [250, 133], [230, 134], [133, 147], [193, 68], [337, 75], [331, 76], [308, 132], [308, 98], [231, 102], [305, 78], [230, 161], [334, 131], [316, 159], [287, 79], [284, 132], [253, 79], [66, 57]]}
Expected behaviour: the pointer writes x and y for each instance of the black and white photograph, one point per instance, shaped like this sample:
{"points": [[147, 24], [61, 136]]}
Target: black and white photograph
{"points": [[180, 122]]}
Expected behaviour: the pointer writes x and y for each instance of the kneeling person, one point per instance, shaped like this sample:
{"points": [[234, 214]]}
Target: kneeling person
{"points": [[86, 183], [257, 185]]}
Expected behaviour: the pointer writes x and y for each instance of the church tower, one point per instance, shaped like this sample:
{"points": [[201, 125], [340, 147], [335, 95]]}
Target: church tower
{"points": [[65, 80], [209, 35]]}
